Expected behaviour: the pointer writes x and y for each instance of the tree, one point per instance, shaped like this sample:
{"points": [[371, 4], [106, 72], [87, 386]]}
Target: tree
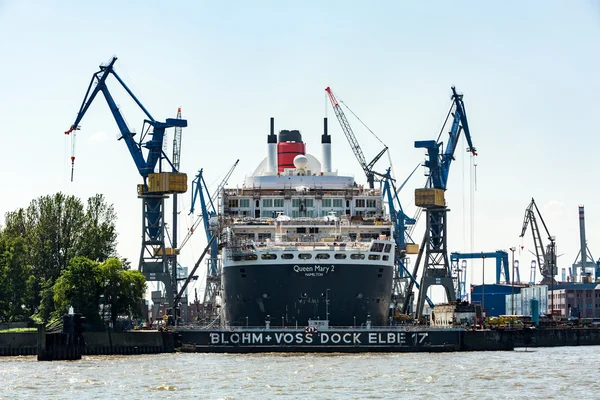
{"points": [[124, 289], [57, 228], [16, 297], [99, 236], [79, 286], [85, 281]]}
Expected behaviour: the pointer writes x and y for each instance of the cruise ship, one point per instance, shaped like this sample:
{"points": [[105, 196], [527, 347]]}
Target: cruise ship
{"points": [[302, 245]]}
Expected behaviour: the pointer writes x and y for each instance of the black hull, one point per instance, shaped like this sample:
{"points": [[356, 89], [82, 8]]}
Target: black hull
{"points": [[288, 296]]}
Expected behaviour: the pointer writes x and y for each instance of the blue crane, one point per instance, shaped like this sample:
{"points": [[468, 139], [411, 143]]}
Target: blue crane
{"points": [[153, 145], [501, 257], [439, 164], [208, 217], [154, 255], [404, 243], [436, 266]]}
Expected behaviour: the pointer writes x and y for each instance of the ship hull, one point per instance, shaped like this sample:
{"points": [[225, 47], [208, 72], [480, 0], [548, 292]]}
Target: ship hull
{"points": [[291, 294]]}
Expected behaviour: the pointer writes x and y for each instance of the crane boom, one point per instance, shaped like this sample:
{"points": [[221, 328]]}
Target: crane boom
{"points": [[177, 143], [154, 145], [545, 255], [439, 164], [212, 198], [358, 153]]}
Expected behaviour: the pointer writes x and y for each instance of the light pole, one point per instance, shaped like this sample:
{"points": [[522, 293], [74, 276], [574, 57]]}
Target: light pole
{"points": [[483, 284], [327, 305], [512, 300], [463, 264]]}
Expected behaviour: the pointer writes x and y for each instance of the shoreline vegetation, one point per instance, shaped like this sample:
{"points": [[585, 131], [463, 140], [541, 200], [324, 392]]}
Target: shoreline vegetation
{"points": [[59, 252]]}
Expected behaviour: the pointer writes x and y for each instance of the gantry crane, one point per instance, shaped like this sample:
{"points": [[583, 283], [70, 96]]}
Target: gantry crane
{"points": [[546, 255], [368, 168], [209, 218], [436, 267], [155, 257]]}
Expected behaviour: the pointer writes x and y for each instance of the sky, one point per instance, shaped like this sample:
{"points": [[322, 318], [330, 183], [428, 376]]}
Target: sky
{"points": [[528, 72]]}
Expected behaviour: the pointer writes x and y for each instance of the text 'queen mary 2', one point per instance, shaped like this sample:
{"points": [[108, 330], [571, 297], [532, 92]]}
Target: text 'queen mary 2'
{"points": [[302, 243]]}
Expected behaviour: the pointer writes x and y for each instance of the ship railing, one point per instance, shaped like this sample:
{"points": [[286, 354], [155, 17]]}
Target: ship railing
{"points": [[355, 221], [300, 328]]}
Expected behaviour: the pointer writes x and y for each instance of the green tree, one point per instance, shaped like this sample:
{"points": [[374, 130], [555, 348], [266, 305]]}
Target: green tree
{"points": [[80, 286], [16, 295], [57, 228], [85, 281], [99, 236], [124, 289]]}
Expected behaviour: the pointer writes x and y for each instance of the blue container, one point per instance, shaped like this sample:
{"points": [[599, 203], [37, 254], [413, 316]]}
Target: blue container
{"points": [[493, 297], [535, 311]]}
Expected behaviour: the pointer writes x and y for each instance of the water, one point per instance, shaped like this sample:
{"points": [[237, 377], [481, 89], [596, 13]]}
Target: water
{"points": [[546, 373]]}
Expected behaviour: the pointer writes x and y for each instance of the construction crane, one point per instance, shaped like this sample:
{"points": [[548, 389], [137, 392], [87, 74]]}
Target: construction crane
{"points": [[157, 184], [404, 242], [436, 266], [213, 198], [209, 217], [545, 255], [367, 167]]}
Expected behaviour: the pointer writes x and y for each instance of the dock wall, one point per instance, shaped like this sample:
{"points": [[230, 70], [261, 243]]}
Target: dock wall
{"points": [[95, 343]]}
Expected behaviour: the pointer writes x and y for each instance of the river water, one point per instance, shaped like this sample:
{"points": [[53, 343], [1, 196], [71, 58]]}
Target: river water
{"points": [[545, 373]]}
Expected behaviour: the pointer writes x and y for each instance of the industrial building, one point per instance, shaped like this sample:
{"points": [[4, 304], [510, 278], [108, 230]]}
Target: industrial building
{"points": [[575, 299], [522, 300]]}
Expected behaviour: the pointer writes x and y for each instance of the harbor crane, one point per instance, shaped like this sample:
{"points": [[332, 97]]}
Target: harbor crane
{"points": [[367, 167], [156, 262], [436, 266], [404, 243], [545, 255], [209, 219]]}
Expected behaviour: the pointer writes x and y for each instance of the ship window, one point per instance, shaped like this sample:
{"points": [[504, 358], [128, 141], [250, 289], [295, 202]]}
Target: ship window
{"points": [[357, 256], [308, 202], [267, 203], [360, 202], [245, 203], [377, 247], [338, 203], [250, 257], [371, 203], [340, 256], [233, 203], [374, 256], [388, 247], [305, 256], [301, 230], [287, 256], [326, 203], [278, 203], [295, 203], [263, 236], [269, 256], [386, 257], [322, 256]]}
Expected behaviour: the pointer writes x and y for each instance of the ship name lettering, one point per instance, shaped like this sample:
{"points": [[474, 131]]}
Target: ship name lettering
{"points": [[356, 338], [308, 337], [320, 268], [257, 338], [246, 338], [298, 268]]}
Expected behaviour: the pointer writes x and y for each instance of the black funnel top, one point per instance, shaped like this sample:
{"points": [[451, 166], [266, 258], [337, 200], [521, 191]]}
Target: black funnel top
{"points": [[290, 136]]}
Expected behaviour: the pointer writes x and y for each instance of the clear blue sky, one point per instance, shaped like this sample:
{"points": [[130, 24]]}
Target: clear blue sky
{"points": [[528, 70]]}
